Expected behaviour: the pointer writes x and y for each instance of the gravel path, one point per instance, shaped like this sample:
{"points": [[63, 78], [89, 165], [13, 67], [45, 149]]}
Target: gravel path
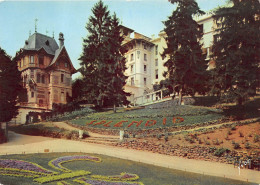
{"points": [[19, 144]]}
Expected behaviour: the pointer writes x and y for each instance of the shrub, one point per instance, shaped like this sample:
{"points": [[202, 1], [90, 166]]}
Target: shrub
{"points": [[247, 145], [199, 140], [233, 127], [166, 138], [236, 146], [159, 136], [229, 132], [226, 137], [219, 152], [216, 142], [256, 138]]}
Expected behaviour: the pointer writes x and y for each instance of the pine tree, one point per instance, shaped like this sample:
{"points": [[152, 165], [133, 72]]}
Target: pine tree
{"points": [[94, 56], [103, 62], [117, 79], [237, 50], [186, 66], [10, 86]]}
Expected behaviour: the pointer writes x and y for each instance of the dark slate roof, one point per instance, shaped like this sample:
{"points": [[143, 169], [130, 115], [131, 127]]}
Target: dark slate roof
{"points": [[57, 53], [38, 41]]}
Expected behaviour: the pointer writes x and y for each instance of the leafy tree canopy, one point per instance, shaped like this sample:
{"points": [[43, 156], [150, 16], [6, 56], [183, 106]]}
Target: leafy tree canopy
{"points": [[10, 79], [102, 60], [236, 50], [186, 66]]}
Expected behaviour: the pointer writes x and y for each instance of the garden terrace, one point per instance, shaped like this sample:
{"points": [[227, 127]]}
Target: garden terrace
{"points": [[175, 118]]}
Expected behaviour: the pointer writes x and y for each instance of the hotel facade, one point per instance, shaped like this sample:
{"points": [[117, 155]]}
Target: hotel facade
{"points": [[145, 65]]}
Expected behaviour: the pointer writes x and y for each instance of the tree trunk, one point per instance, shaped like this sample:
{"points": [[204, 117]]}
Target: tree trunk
{"points": [[180, 97], [114, 107]]}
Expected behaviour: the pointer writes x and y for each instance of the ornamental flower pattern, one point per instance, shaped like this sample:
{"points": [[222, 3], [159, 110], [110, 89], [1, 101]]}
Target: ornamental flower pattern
{"points": [[87, 181], [57, 163], [19, 168], [25, 168]]}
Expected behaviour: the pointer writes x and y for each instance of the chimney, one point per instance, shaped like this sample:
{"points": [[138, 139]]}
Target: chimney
{"points": [[61, 39]]}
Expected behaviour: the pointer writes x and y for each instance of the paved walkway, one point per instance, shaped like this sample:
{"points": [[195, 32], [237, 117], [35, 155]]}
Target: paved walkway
{"points": [[19, 144]]}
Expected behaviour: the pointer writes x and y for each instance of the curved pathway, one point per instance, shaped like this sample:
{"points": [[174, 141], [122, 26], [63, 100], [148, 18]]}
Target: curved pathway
{"points": [[19, 144]]}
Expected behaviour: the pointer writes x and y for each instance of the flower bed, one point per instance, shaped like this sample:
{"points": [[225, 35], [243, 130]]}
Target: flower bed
{"points": [[63, 176], [14, 167], [57, 163], [121, 177], [87, 181]]}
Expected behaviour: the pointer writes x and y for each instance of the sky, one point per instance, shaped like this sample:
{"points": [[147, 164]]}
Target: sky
{"points": [[17, 20]]}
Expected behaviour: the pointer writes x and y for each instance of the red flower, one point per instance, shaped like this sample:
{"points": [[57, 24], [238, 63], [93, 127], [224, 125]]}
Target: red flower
{"points": [[174, 120], [101, 122], [137, 123], [164, 121], [119, 124], [91, 122], [149, 125], [107, 124]]}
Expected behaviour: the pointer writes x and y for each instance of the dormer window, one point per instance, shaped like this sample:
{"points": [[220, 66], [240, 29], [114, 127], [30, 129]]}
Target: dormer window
{"points": [[47, 43]]}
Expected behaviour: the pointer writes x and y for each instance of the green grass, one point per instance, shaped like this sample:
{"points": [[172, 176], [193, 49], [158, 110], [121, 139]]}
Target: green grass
{"points": [[46, 129], [149, 174], [190, 114]]}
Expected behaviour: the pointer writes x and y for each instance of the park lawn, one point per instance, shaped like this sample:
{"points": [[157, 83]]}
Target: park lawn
{"points": [[150, 118], [149, 174]]}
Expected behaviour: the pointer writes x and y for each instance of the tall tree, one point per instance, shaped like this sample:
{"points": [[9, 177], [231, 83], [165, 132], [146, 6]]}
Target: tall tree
{"points": [[117, 66], [10, 86], [236, 50], [102, 61], [186, 66], [95, 53]]}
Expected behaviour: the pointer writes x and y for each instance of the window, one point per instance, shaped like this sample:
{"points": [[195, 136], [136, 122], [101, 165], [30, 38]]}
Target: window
{"points": [[156, 50], [216, 38], [38, 78], [145, 47], [31, 59], [41, 102], [132, 57], [156, 74], [66, 64], [32, 73], [144, 81], [41, 58], [32, 94], [145, 57], [200, 27], [132, 68], [62, 78], [43, 79], [62, 96], [156, 62], [132, 81], [144, 68], [138, 54]]}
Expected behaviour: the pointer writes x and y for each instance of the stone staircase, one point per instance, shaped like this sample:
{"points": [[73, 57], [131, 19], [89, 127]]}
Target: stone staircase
{"points": [[102, 140]]}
